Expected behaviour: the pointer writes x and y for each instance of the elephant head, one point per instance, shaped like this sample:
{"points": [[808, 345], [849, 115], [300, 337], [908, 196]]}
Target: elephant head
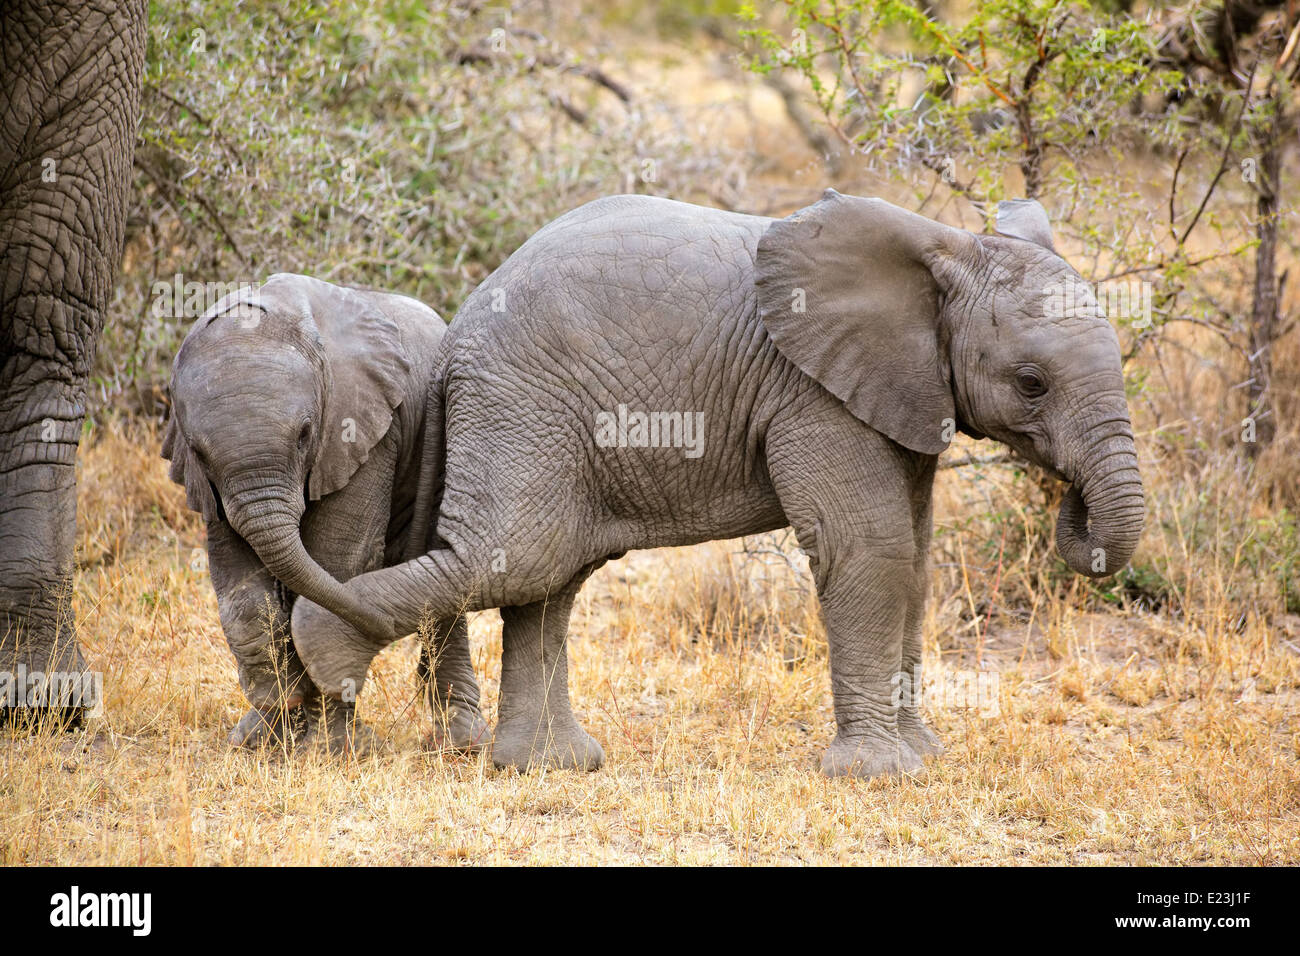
{"points": [[279, 394], [923, 330]]}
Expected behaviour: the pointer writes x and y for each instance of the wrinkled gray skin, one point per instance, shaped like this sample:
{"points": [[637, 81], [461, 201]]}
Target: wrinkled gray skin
{"points": [[298, 426], [828, 419], [69, 102]]}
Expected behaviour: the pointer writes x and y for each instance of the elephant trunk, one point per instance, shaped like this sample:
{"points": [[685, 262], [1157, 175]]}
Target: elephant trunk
{"points": [[271, 529], [1100, 520]]}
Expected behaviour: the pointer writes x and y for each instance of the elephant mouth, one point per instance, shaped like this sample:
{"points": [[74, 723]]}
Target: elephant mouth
{"points": [[1024, 445], [220, 505]]}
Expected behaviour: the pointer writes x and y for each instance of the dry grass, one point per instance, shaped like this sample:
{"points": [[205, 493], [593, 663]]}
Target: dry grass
{"points": [[1118, 737]]}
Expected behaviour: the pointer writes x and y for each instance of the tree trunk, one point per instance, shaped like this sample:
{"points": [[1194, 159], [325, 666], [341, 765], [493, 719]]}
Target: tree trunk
{"points": [[1263, 317]]}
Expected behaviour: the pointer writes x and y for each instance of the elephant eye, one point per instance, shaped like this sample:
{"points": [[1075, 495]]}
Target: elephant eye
{"points": [[304, 435], [1030, 383]]}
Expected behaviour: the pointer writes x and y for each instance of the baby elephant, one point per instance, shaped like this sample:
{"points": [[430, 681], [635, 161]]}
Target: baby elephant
{"points": [[645, 373], [297, 429]]}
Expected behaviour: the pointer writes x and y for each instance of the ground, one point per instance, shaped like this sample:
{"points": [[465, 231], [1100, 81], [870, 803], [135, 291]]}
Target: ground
{"points": [[1094, 737]]}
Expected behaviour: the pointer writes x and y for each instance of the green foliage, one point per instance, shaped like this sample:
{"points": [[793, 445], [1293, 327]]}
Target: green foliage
{"points": [[1272, 552], [1212, 542], [393, 143], [1139, 584], [1053, 100], [995, 89]]}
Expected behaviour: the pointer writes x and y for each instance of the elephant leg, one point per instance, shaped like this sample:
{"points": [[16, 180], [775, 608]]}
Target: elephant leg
{"points": [[347, 532], [447, 676], [535, 725], [910, 726], [846, 492], [276, 727], [864, 592], [441, 584], [333, 728], [39, 656], [71, 78], [255, 620]]}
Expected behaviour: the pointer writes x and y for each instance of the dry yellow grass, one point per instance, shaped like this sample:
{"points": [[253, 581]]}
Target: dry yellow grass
{"points": [[1117, 737]]}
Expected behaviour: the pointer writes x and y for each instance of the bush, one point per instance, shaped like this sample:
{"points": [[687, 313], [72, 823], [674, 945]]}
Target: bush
{"points": [[396, 144]]}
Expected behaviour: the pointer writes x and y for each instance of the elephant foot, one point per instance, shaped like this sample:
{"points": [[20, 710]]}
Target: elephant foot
{"points": [[867, 757], [918, 736], [553, 744], [336, 654], [44, 694], [332, 728], [459, 727], [274, 727]]}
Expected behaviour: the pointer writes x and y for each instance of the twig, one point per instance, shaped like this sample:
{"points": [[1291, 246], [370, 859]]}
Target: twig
{"points": [[1223, 160], [170, 191], [477, 54], [1003, 459]]}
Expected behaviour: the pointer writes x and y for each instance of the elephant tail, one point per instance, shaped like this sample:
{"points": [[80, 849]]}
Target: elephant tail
{"points": [[428, 492]]}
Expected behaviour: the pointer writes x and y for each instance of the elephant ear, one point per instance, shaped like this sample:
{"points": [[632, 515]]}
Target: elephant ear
{"points": [[367, 378], [185, 471], [1024, 219], [848, 292]]}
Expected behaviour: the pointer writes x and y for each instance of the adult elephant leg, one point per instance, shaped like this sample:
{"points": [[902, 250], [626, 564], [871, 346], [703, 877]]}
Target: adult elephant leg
{"points": [[910, 725], [70, 72], [846, 492], [255, 619], [535, 723], [40, 418], [450, 688]]}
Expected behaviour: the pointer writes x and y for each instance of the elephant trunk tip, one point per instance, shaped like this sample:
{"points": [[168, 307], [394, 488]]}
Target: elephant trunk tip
{"points": [[1097, 542]]}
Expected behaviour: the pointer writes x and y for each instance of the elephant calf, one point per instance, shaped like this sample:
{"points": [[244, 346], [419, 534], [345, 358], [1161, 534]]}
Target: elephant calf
{"points": [[824, 360], [297, 429]]}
